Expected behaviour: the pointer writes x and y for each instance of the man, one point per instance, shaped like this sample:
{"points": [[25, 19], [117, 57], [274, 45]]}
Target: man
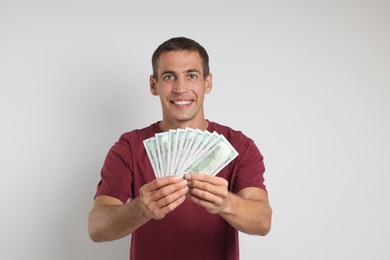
{"points": [[195, 217]]}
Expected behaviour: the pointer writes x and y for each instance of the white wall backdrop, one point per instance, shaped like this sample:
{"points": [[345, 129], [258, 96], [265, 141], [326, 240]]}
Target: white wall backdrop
{"points": [[309, 81]]}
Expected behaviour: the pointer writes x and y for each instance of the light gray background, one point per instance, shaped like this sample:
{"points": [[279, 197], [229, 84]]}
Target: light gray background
{"points": [[309, 81]]}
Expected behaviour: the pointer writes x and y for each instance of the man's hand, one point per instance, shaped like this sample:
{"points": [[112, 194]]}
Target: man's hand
{"points": [[208, 191], [248, 211], [110, 219], [162, 195]]}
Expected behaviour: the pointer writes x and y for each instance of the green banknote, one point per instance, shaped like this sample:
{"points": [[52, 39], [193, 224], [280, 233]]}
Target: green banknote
{"points": [[181, 151]]}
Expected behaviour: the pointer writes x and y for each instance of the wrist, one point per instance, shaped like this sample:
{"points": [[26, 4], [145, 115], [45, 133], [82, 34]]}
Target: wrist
{"points": [[228, 209], [138, 209]]}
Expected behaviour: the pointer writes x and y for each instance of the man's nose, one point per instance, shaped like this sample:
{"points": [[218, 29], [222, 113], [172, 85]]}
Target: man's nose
{"points": [[180, 86]]}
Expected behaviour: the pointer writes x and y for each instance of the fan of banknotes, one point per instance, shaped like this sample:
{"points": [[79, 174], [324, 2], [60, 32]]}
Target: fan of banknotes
{"points": [[180, 151]]}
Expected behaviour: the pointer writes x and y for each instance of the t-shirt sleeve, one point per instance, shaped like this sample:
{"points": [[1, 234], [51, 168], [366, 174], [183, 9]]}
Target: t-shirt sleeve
{"points": [[116, 175], [250, 168]]}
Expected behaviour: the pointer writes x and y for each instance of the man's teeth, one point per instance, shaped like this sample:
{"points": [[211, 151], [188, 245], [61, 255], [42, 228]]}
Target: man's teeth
{"points": [[182, 102]]}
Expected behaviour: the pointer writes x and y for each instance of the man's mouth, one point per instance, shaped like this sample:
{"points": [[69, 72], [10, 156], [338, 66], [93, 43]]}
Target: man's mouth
{"points": [[182, 102]]}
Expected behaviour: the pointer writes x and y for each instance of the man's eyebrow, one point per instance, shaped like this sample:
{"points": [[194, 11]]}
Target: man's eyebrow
{"points": [[167, 72], [186, 71], [193, 70]]}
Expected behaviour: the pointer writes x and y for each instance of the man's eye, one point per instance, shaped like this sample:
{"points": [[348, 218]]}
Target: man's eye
{"points": [[192, 76], [169, 77]]}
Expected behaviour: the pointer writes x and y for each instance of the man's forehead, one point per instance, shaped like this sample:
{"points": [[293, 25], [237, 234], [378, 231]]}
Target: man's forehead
{"points": [[177, 58]]}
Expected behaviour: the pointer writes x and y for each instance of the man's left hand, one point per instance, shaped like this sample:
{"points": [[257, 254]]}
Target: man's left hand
{"points": [[208, 191]]}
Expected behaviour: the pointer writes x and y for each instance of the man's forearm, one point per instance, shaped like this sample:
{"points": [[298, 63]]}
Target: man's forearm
{"points": [[111, 222], [248, 215]]}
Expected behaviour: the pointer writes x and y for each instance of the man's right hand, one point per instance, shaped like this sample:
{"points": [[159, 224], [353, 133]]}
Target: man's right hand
{"points": [[162, 195], [110, 219]]}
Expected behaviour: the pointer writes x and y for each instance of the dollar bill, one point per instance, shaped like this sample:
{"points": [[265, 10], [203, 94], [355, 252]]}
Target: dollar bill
{"points": [[172, 142], [181, 157], [214, 157], [180, 136], [162, 151], [188, 150], [191, 145], [150, 150]]}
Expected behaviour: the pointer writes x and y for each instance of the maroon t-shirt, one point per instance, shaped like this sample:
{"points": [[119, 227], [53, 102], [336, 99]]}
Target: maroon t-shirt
{"points": [[189, 232]]}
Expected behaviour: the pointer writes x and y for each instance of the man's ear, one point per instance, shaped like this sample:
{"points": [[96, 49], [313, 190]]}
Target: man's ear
{"points": [[153, 83], [209, 83]]}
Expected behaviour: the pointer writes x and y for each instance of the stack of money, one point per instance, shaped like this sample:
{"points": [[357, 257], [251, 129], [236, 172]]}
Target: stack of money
{"points": [[181, 151]]}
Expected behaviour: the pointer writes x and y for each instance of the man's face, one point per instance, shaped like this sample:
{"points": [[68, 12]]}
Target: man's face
{"points": [[181, 87]]}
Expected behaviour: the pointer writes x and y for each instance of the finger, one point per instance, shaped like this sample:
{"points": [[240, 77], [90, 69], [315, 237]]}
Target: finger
{"points": [[171, 193], [204, 195], [160, 213], [161, 182], [152, 197], [166, 204], [205, 178], [169, 189], [220, 190], [208, 205]]}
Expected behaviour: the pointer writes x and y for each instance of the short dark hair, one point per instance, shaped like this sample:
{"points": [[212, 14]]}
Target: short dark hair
{"points": [[181, 44]]}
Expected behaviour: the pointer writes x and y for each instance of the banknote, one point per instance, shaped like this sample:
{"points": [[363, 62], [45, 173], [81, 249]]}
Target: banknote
{"points": [[197, 148], [172, 142], [214, 157], [179, 151], [181, 157], [151, 152], [162, 151], [180, 136]]}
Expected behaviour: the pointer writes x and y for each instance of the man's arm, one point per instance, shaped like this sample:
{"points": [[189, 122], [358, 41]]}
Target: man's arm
{"points": [[248, 211], [110, 219]]}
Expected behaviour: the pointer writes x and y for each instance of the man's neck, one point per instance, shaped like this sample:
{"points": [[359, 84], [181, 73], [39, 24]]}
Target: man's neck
{"points": [[164, 126]]}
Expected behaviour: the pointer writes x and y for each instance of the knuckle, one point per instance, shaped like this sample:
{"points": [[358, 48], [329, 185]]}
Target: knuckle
{"points": [[171, 206], [155, 213], [163, 192]]}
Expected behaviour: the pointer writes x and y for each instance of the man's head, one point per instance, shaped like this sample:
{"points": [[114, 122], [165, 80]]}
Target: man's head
{"points": [[181, 79], [180, 44]]}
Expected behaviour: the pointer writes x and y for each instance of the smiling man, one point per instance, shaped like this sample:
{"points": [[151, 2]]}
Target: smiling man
{"points": [[195, 217], [181, 86]]}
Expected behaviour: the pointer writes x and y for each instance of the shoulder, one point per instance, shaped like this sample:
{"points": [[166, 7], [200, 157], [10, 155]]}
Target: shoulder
{"points": [[132, 140], [241, 142], [138, 135], [233, 135]]}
